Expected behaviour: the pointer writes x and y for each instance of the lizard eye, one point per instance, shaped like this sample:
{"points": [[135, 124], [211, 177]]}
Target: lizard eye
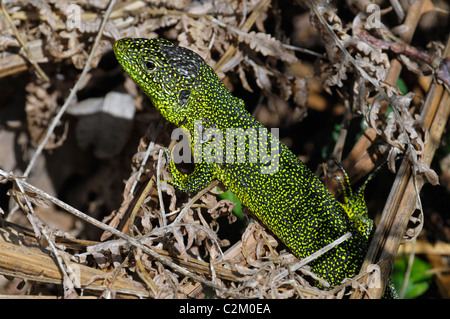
{"points": [[149, 65]]}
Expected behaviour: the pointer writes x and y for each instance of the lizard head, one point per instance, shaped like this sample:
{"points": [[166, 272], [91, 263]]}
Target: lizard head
{"points": [[170, 75]]}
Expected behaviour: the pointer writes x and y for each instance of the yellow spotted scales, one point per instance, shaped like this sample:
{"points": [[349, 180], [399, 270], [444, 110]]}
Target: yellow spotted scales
{"points": [[292, 202]]}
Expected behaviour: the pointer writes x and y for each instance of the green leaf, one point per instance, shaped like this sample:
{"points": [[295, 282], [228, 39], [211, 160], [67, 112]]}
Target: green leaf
{"points": [[419, 281], [237, 210], [402, 86], [335, 132]]}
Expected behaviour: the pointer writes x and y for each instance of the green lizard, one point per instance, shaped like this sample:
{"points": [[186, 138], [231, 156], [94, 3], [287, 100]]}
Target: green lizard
{"points": [[283, 193]]}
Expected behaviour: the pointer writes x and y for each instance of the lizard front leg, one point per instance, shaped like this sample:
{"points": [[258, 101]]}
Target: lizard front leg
{"points": [[201, 177]]}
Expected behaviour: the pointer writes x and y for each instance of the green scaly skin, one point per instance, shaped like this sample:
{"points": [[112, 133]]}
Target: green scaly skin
{"points": [[292, 202]]}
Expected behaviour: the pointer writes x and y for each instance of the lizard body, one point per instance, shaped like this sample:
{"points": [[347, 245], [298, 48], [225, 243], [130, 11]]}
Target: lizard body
{"points": [[287, 197]]}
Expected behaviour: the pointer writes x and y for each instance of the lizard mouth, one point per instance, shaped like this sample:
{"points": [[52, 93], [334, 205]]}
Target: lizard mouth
{"points": [[121, 51]]}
